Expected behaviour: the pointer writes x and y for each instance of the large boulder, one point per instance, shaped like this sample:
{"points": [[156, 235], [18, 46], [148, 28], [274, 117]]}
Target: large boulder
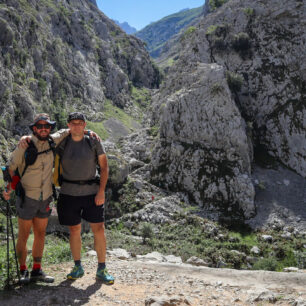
{"points": [[203, 148]]}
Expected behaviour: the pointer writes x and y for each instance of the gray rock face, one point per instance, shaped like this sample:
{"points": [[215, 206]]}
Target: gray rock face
{"points": [[203, 147], [264, 43], [93, 2], [65, 57]]}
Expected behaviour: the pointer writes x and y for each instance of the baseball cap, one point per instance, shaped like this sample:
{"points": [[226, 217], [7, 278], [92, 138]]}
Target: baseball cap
{"points": [[76, 116]]}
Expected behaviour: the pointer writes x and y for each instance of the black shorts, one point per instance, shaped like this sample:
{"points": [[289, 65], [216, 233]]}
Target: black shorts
{"points": [[72, 209]]}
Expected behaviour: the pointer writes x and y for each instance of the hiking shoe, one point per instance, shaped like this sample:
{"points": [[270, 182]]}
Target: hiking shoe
{"points": [[39, 275], [76, 272], [104, 276], [24, 277]]}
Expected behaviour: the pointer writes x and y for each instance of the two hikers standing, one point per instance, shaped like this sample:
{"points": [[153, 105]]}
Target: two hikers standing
{"points": [[33, 208]]}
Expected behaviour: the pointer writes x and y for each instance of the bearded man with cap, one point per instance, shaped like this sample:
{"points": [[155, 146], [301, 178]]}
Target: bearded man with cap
{"points": [[33, 210]]}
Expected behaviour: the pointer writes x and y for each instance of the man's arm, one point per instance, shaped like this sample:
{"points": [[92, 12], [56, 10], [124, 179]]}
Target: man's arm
{"points": [[100, 196], [16, 160], [57, 137]]}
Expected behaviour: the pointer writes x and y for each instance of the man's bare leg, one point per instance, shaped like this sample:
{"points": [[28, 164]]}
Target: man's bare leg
{"points": [[100, 247], [39, 229], [99, 240], [24, 228], [75, 241]]}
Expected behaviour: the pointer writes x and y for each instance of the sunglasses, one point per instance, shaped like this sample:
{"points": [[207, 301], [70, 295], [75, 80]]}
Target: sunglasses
{"points": [[43, 126], [77, 123]]}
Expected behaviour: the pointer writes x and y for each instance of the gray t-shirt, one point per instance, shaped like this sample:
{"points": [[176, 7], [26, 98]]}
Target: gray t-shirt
{"points": [[79, 162]]}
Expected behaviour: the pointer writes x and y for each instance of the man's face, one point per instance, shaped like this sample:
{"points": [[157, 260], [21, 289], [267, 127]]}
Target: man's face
{"points": [[42, 129], [77, 127]]}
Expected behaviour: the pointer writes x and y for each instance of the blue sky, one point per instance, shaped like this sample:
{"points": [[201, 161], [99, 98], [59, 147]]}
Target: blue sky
{"points": [[139, 13]]}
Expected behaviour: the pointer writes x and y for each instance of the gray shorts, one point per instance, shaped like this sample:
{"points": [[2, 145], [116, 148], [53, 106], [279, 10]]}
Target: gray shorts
{"points": [[31, 208]]}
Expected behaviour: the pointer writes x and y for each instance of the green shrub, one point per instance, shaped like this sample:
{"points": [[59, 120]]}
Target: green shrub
{"points": [[214, 4], [219, 44], [301, 259], [220, 30], [188, 32], [234, 81], [269, 264], [42, 84], [56, 250], [216, 88], [153, 130], [241, 42], [146, 231], [3, 266], [288, 260], [7, 60], [211, 29], [249, 11]]}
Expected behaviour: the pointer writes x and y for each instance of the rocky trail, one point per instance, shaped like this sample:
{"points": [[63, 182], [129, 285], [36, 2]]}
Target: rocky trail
{"points": [[152, 283]]}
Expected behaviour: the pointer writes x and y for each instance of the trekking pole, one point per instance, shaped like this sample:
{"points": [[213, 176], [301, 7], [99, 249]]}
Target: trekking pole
{"points": [[9, 224]]}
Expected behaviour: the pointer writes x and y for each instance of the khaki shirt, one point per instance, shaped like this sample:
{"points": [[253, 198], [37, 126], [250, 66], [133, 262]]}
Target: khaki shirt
{"points": [[37, 179]]}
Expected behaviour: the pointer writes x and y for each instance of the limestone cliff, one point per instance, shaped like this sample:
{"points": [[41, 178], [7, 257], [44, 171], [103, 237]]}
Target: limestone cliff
{"points": [[208, 136], [262, 45], [58, 56]]}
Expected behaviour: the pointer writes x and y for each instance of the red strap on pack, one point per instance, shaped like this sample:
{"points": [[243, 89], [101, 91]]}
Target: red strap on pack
{"points": [[15, 180]]}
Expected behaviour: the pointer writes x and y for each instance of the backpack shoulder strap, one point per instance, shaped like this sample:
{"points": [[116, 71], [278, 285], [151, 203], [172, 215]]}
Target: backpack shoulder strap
{"points": [[92, 145], [52, 144], [61, 147], [30, 156]]}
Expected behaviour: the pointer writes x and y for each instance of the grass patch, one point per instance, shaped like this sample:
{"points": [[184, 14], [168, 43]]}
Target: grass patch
{"points": [[141, 96], [57, 249], [98, 128], [112, 111]]}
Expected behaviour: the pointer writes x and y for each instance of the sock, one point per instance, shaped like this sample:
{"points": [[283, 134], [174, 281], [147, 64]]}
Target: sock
{"points": [[36, 266], [23, 267], [101, 265], [77, 262]]}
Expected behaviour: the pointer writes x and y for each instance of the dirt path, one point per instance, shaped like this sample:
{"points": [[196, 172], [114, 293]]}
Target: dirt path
{"points": [[145, 283]]}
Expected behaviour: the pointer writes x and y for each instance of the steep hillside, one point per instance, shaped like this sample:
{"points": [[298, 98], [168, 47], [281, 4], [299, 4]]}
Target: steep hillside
{"points": [[262, 48], [158, 33], [236, 90], [58, 57]]}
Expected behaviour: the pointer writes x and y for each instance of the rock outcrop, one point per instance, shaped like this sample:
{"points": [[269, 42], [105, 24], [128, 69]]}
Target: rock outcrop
{"points": [[262, 45], [60, 57], [203, 148], [236, 90]]}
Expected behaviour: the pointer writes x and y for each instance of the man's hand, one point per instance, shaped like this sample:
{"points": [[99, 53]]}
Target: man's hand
{"points": [[24, 142], [92, 134], [7, 194], [100, 198]]}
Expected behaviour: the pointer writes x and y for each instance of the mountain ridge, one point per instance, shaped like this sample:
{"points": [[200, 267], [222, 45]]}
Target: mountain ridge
{"points": [[159, 32]]}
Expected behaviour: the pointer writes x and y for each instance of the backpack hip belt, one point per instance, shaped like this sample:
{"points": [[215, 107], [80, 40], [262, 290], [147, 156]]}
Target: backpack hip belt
{"points": [[88, 182]]}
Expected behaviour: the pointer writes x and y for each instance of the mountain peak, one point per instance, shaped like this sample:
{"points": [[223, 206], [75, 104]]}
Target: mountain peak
{"points": [[126, 27]]}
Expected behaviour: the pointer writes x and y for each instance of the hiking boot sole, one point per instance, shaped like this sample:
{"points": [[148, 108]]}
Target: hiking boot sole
{"points": [[74, 278], [43, 280], [105, 282], [24, 281]]}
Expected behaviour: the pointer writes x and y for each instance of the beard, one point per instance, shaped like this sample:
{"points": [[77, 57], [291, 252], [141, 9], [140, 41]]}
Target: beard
{"points": [[43, 138]]}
